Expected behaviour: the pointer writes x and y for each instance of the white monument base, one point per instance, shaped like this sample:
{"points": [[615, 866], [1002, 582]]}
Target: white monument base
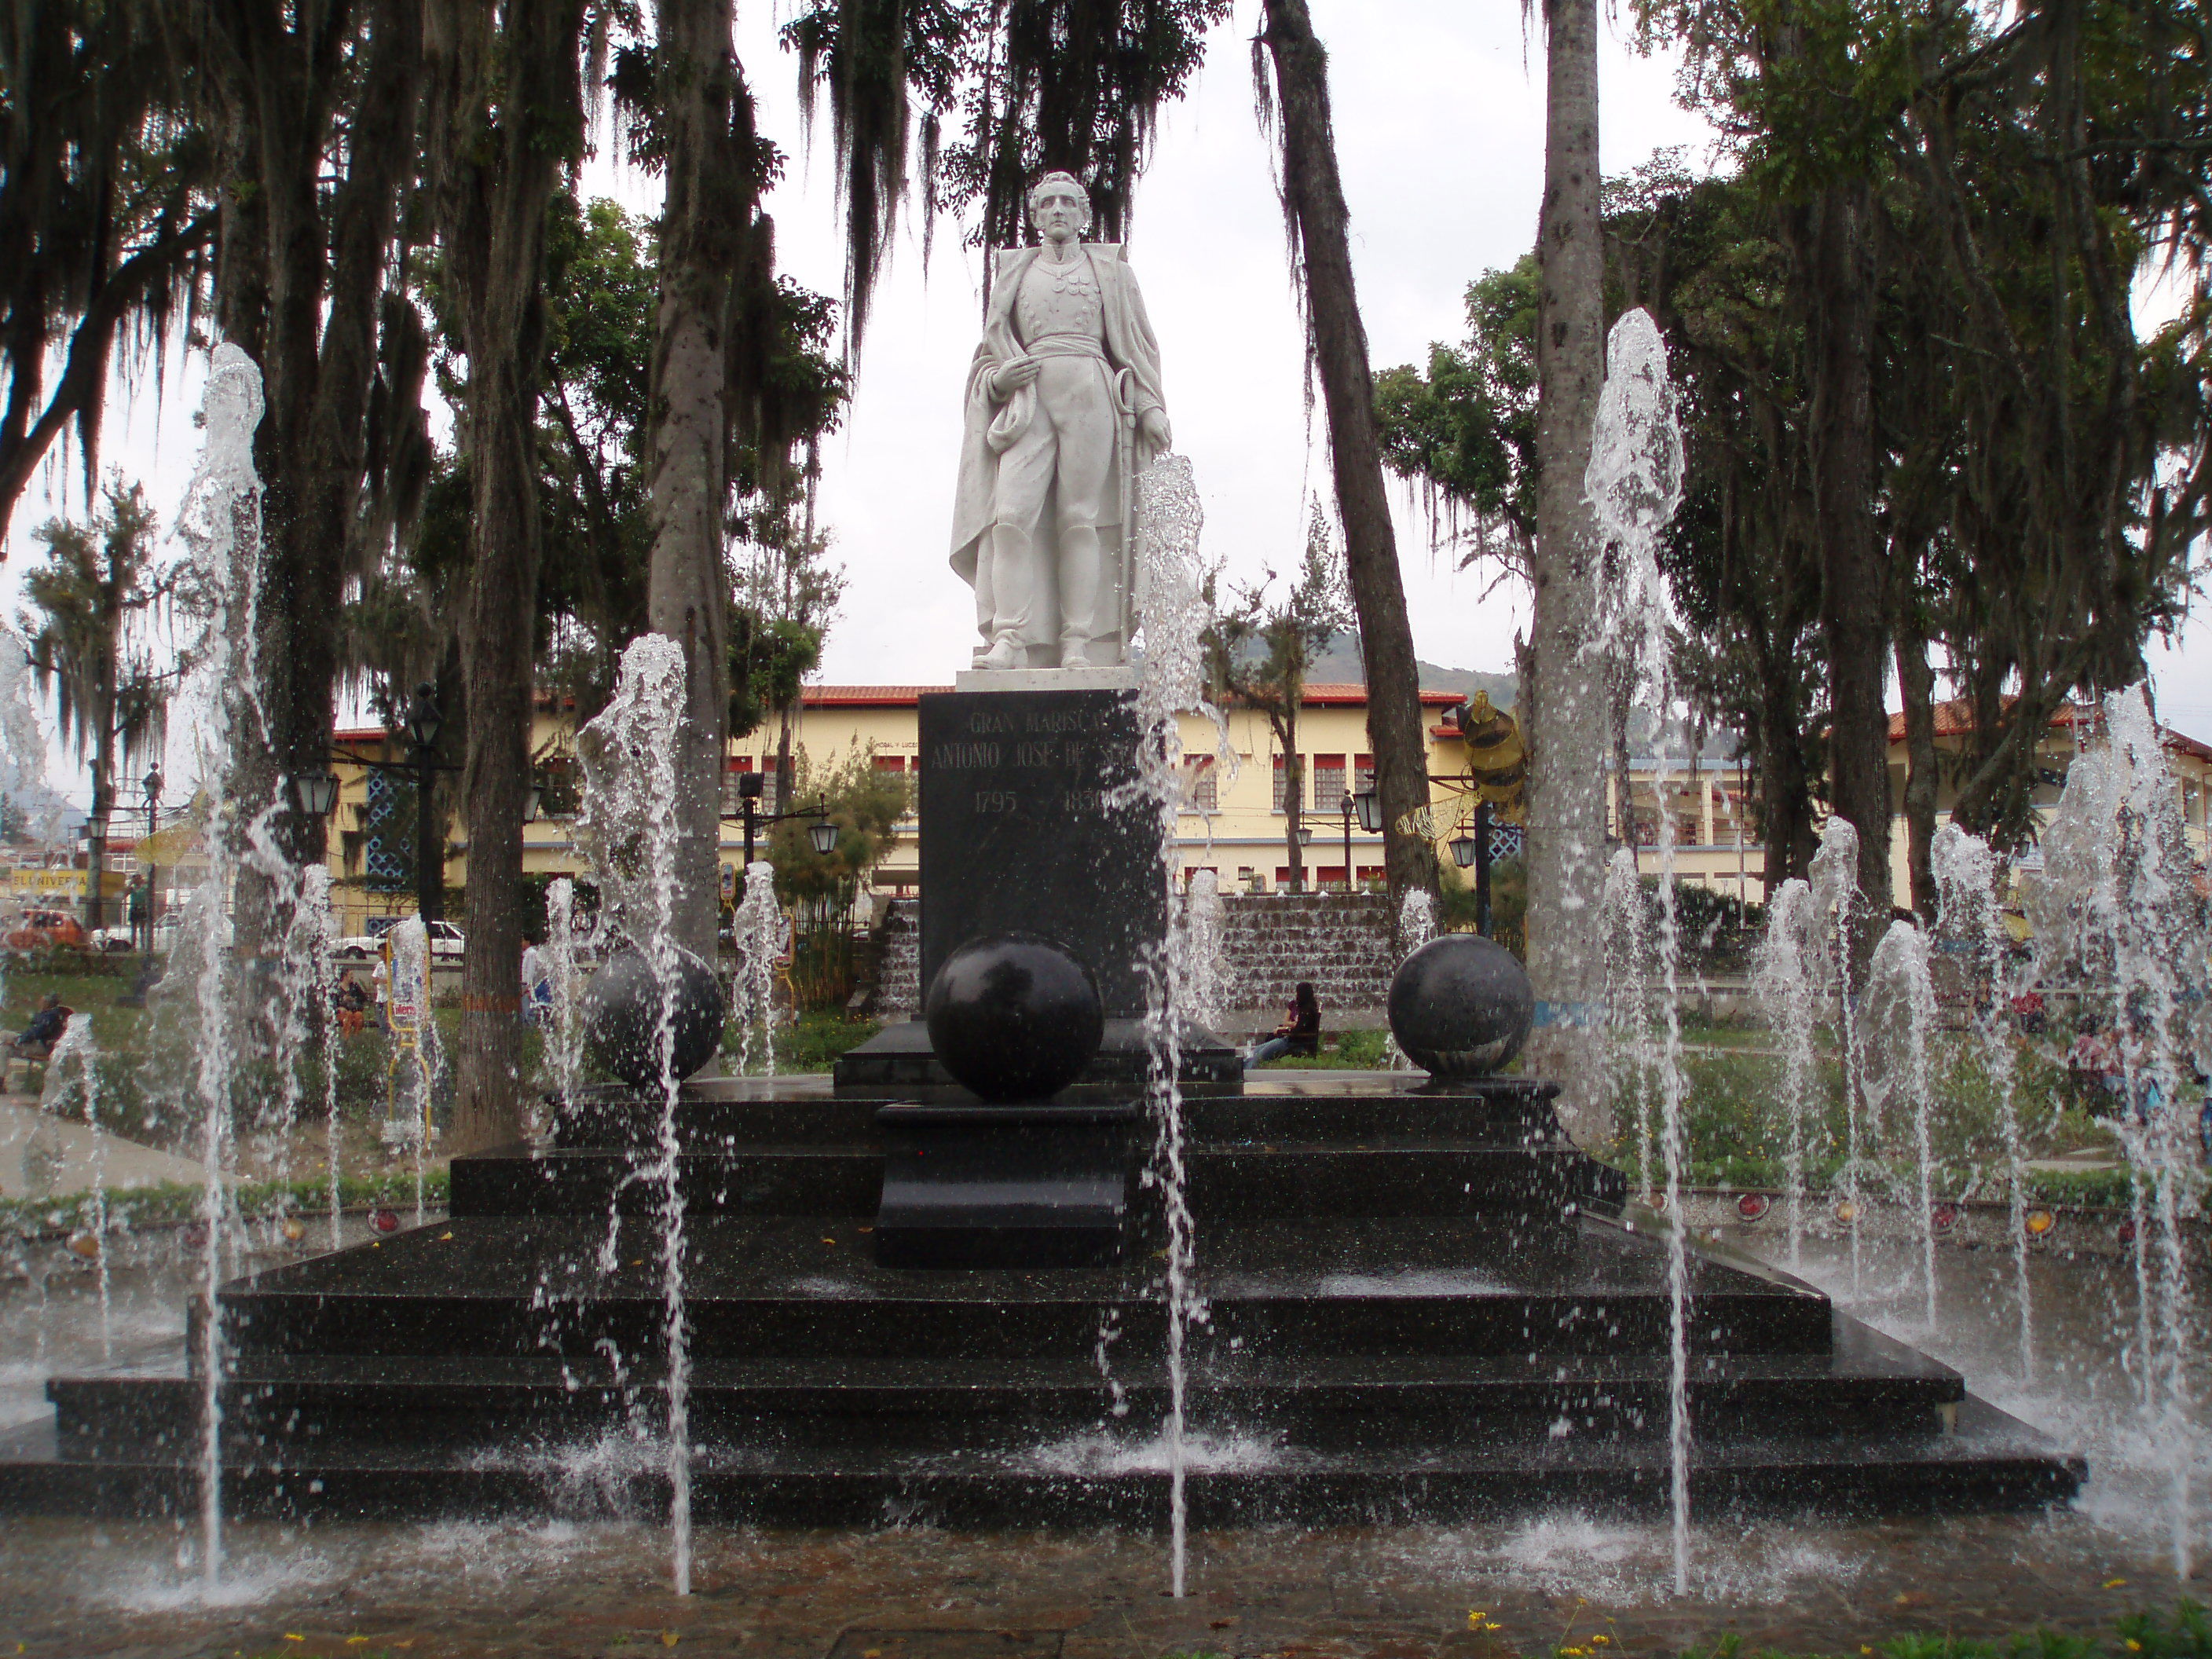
{"points": [[1120, 677]]}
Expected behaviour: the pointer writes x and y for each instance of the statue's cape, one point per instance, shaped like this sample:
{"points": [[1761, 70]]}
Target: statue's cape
{"points": [[986, 429]]}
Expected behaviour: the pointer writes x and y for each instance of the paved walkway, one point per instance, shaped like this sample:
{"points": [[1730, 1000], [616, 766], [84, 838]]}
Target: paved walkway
{"points": [[75, 1590], [43, 1156]]}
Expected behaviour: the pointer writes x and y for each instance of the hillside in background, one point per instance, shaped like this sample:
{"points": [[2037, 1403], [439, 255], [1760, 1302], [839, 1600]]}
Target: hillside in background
{"points": [[1340, 665]]}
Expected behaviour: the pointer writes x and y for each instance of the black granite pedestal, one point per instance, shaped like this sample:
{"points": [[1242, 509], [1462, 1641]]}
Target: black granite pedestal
{"points": [[1030, 824]]}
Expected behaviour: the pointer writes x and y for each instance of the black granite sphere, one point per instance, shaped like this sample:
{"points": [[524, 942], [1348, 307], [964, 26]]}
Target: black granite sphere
{"points": [[620, 1008], [1461, 1006], [1014, 1017]]}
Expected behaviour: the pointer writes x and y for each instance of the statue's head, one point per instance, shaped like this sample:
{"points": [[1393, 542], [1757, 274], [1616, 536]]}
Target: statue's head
{"points": [[1060, 207]]}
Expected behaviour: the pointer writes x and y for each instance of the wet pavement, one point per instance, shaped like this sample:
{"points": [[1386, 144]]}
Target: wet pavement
{"points": [[81, 1590]]}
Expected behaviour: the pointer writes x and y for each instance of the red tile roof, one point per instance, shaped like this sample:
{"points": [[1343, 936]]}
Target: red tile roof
{"points": [[1955, 718], [865, 696], [1324, 693], [1352, 694]]}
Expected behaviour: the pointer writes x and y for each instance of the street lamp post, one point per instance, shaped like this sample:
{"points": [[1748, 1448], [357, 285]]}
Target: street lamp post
{"points": [[1473, 851], [424, 719], [1367, 806], [96, 861], [153, 826], [821, 834], [750, 785]]}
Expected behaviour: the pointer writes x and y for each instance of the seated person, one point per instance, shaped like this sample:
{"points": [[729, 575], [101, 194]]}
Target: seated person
{"points": [[351, 1002], [45, 1029], [1298, 1033]]}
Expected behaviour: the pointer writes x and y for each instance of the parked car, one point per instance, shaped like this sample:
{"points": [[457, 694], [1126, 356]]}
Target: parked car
{"points": [[39, 929], [116, 940], [447, 943]]}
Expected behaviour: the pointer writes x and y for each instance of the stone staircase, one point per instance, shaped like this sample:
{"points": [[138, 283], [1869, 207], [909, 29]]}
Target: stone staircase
{"points": [[1420, 1307]]}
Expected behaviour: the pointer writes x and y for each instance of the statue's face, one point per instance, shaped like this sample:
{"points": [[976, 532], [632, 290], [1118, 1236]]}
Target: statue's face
{"points": [[1059, 212]]}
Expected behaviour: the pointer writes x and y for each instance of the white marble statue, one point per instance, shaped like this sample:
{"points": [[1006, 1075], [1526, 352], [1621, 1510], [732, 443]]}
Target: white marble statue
{"points": [[1063, 411]]}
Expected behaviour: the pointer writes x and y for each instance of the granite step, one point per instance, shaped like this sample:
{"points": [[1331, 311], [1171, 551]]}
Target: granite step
{"points": [[717, 1117], [1982, 1459], [1328, 1401], [801, 1287], [1228, 1185]]}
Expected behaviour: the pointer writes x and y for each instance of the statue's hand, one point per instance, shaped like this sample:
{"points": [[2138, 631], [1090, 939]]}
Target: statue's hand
{"points": [[1154, 425], [1012, 374]]}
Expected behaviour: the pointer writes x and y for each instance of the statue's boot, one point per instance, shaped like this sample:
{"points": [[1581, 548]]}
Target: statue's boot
{"points": [[1080, 557], [1013, 593]]}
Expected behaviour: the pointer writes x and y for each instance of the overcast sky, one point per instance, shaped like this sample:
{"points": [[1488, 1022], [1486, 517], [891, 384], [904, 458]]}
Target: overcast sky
{"points": [[1441, 152]]}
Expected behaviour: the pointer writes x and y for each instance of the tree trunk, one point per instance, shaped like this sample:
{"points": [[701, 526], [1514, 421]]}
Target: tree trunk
{"points": [[688, 591], [1314, 198], [108, 678], [299, 286], [1784, 811], [1568, 715], [1916, 681], [783, 778], [103, 803], [1837, 254], [1294, 793], [509, 116]]}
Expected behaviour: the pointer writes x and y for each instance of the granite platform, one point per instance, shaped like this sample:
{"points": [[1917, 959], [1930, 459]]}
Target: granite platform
{"points": [[1415, 1306]]}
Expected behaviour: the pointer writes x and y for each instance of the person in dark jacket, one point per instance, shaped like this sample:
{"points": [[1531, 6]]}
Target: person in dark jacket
{"points": [[1298, 1033], [45, 1029]]}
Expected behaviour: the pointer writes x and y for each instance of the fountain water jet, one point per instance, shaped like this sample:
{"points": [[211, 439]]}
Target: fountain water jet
{"points": [[410, 1127], [1967, 884], [1628, 1001], [1634, 483], [1417, 925], [629, 755], [564, 1035], [759, 932], [1171, 684], [1836, 893], [1900, 1014], [1203, 922], [77, 1047], [1784, 972], [2117, 906]]}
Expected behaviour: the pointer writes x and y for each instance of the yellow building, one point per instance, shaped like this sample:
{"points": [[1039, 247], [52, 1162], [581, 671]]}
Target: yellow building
{"points": [[1240, 836], [1715, 842], [2073, 728], [1238, 824], [1715, 845], [1240, 833]]}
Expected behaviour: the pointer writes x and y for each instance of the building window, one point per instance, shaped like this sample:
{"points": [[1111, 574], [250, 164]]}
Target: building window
{"points": [[1362, 773], [1201, 787], [1328, 783]]}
